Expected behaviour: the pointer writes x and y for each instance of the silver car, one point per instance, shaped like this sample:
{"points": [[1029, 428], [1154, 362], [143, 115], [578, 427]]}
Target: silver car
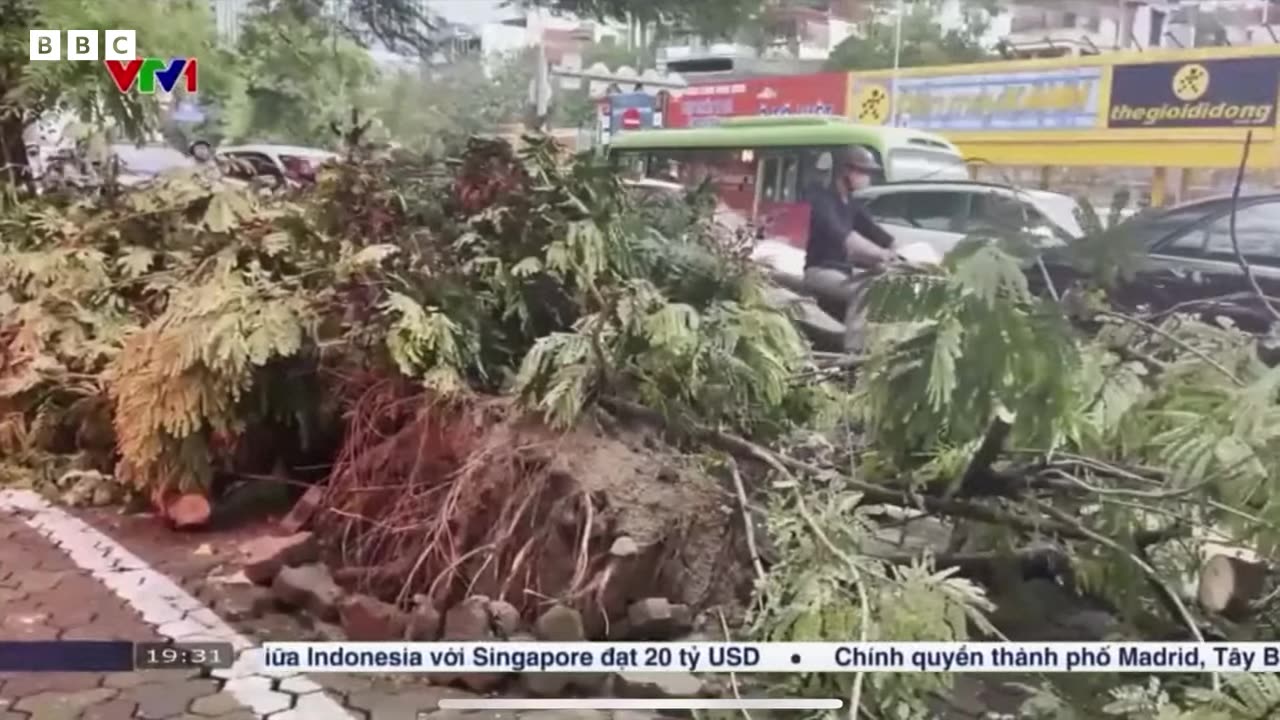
{"points": [[942, 213]]}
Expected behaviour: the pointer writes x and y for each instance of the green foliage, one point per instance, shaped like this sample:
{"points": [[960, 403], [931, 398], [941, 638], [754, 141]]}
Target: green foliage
{"points": [[1164, 423], [30, 90], [929, 390], [813, 594], [196, 308], [436, 109], [924, 42], [1244, 696], [180, 381], [295, 73]]}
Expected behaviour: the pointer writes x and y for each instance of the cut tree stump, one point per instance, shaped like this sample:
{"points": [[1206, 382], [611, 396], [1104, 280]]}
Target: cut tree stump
{"points": [[188, 511], [1229, 584]]}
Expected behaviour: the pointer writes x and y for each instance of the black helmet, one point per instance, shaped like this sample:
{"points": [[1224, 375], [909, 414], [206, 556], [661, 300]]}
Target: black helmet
{"points": [[198, 148], [854, 157]]}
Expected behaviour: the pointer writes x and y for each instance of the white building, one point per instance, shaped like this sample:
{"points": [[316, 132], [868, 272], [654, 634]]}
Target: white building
{"points": [[802, 34], [1053, 28]]}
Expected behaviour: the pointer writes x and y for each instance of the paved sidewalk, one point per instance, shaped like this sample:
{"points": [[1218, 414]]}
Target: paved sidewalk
{"points": [[45, 596], [115, 579], [62, 579]]}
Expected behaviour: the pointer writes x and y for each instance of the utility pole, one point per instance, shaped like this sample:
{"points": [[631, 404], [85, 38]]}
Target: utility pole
{"points": [[897, 62]]}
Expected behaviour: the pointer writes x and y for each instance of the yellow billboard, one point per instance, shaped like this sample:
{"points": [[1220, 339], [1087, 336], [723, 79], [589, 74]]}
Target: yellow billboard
{"points": [[1168, 108]]}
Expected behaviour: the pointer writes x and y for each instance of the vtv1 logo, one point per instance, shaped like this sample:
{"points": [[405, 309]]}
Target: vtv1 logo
{"points": [[123, 65]]}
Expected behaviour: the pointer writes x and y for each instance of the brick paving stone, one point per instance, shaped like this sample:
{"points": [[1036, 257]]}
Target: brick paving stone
{"points": [[38, 580], [58, 705], [24, 684], [400, 706], [344, 684], [96, 630], [257, 693], [149, 677], [118, 709], [162, 700], [214, 705]]}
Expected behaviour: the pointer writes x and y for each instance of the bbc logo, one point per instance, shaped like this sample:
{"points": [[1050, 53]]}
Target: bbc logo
{"points": [[46, 45]]}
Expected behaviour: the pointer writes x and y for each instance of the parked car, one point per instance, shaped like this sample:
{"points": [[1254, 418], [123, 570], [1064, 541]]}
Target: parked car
{"points": [[287, 164], [942, 213], [137, 165], [1186, 259]]}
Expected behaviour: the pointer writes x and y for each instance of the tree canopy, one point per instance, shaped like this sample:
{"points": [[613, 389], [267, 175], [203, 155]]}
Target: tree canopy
{"points": [[294, 74], [30, 90], [924, 40]]}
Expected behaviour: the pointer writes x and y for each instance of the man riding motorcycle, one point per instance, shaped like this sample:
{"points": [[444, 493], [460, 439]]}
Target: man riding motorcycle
{"points": [[847, 248]]}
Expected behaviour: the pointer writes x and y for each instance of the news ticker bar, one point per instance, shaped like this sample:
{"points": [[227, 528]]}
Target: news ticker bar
{"points": [[726, 657], [110, 655], [595, 657]]}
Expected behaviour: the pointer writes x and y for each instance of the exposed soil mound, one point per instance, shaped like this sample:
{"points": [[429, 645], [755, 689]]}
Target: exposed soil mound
{"points": [[452, 499]]}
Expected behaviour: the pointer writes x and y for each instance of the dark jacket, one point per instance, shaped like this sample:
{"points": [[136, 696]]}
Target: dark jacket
{"points": [[831, 219]]}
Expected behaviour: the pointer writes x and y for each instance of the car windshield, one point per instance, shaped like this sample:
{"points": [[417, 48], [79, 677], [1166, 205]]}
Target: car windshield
{"points": [[149, 160], [917, 164], [1063, 210], [1155, 225]]}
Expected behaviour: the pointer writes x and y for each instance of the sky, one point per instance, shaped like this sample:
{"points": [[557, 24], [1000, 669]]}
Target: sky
{"points": [[470, 12]]}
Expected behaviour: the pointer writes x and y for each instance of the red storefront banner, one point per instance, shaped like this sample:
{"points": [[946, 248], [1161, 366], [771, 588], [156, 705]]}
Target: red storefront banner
{"points": [[704, 103]]}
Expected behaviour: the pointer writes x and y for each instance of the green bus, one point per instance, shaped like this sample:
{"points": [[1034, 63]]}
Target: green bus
{"points": [[765, 168]]}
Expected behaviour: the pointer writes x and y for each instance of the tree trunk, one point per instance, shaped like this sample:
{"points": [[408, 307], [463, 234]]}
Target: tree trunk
{"points": [[1229, 584], [13, 150], [16, 16]]}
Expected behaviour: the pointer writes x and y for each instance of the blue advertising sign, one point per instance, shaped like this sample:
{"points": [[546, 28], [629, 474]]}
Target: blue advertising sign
{"points": [[1037, 100], [1236, 92]]}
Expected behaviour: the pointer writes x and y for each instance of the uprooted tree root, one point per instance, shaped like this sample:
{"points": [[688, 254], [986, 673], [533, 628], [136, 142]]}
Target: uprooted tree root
{"points": [[456, 497]]}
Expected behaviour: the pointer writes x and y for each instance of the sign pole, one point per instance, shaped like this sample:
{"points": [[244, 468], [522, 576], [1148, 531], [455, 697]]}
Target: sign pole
{"points": [[897, 61]]}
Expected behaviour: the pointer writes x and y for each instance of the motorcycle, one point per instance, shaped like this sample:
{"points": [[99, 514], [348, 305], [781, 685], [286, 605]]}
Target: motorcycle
{"points": [[821, 320]]}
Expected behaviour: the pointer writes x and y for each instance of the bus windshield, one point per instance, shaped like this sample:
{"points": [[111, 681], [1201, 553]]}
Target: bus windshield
{"points": [[919, 164]]}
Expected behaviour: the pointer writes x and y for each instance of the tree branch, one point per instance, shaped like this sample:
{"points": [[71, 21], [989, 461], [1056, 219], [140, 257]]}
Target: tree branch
{"points": [[1139, 557], [1235, 241], [1168, 336], [877, 494]]}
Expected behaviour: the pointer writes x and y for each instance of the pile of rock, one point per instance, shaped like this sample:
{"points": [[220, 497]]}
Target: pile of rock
{"points": [[290, 566]]}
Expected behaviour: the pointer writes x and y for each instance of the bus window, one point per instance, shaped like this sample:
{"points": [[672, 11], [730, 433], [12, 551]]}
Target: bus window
{"points": [[631, 165], [789, 183], [771, 179], [781, 178]]}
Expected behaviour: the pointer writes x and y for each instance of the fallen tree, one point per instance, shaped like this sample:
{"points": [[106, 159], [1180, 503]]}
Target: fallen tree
{"points": [[495, 372]]}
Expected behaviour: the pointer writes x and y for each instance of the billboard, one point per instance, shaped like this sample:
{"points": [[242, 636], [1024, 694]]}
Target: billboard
{"points": [[1058, 99], [705, 103], [1232, 92]]}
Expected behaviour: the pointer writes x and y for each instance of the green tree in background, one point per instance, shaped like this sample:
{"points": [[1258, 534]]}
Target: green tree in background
{"points": [[294, 74], [32, 91], [924, 41], [436, 108]]}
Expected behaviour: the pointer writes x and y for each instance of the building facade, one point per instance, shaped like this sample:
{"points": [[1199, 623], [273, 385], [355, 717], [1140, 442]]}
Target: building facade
{"points": [[1058, 28]]}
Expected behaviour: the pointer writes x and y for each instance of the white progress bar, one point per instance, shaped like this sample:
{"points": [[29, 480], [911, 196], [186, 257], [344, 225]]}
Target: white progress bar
{"points": [[641, 704]]}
